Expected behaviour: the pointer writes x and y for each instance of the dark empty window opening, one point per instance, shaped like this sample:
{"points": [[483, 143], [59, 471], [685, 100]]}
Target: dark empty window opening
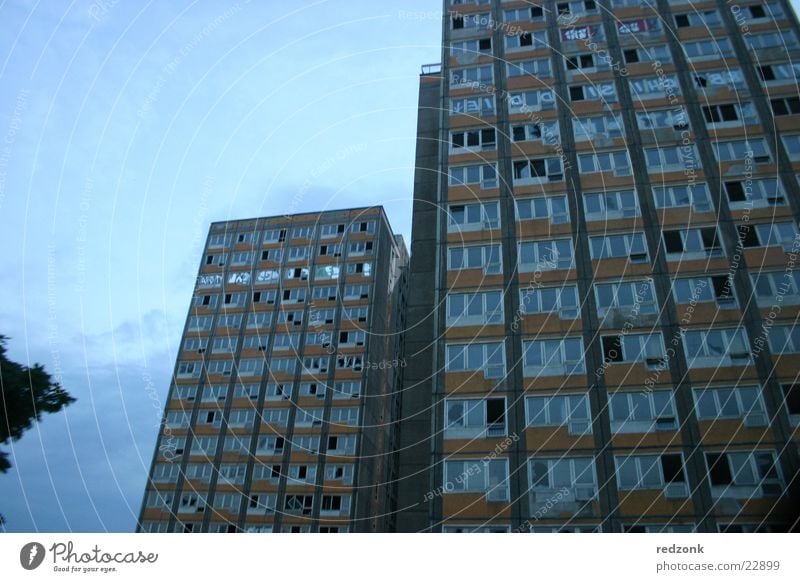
{"points": [[672, 465], [791, 393], [576, 94], [495, 411], [719, 471], [673, 243], [612, 348], [748, 236]]}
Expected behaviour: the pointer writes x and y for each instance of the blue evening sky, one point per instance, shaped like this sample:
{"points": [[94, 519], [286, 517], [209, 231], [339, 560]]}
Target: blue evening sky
{"points": [[125, 129]]}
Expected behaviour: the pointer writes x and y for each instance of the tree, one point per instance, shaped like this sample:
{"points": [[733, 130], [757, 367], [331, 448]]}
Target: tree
{"points": [[25, 393]]}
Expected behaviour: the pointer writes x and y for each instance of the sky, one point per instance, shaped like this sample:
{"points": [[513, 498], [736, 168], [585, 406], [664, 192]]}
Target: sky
{"points": [[126, 128]]}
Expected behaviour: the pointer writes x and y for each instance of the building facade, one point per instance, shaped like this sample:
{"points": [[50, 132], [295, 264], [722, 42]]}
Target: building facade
{"points": [[603, 288], [281, 416]]}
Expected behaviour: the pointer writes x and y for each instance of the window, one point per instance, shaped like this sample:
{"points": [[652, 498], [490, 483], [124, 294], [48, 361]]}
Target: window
{"points": [[215, 393], [527, 40], [349, 362], [192, 503], [232, 475], [341, 445], [300, 272], [562, 300], [482, 105], [767, 10], [707, 49], [471, 75], [531, 100], [694, 243], [537, 68], [199, 472], [791, 398], [754, 192], [695, 195], [331, 230], [675, 119], [205, 301], [355, 292], [282, 365], [785, 40], [210, 417], [365, 226], [744, 475], [261, 504], [782, 234], [474, 308], [240, 417], [344, 417], [305, 443], [716, 347], [251, 367], [553, 208], [315, 365], [176, 419], [553, 357], [188, 393], [364, 269], [792, 144], [195, 344], [217, 260], [577, 7], [463, 21], [274, 236], [166, 472], [469, 217], [234, 320], [471, 48], [160, 500], [740, 150], [335, 505], [258, 320], [570, 410], [330, 250], [290, 317], [672, 159], [663, 471], [355, 314], [224, 345], [241, 258], [485, 257], [324, 293], [268, 277], [487, 357], [477, 476], [731, 115], [784, 339], [190, 369], [642, 412], [473, 140], [532, 14], [713, 289], [270, 445], [206, 281], [634, 347], [625, 298], [308, 417], [576, 474], [703, 19], [583, 62], [778, 73], [616, 161], [248, 391], [474, 417], [731, 402], [349, 389], [547, 132], [732, 79], [546, 255], [659, 52], [266, 297], [219, 240], [598, 126], [343, 473], [601, 91], [302, 232], [658, 87], [485, 175], [610, 204], [301, 474], [539, 170], [768, 286], [301, 504], [631, 246]]}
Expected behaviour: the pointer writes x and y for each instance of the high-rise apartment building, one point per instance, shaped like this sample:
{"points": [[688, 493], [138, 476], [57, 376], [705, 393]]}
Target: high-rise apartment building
{"points": [[603, 281], [282, 411]]}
